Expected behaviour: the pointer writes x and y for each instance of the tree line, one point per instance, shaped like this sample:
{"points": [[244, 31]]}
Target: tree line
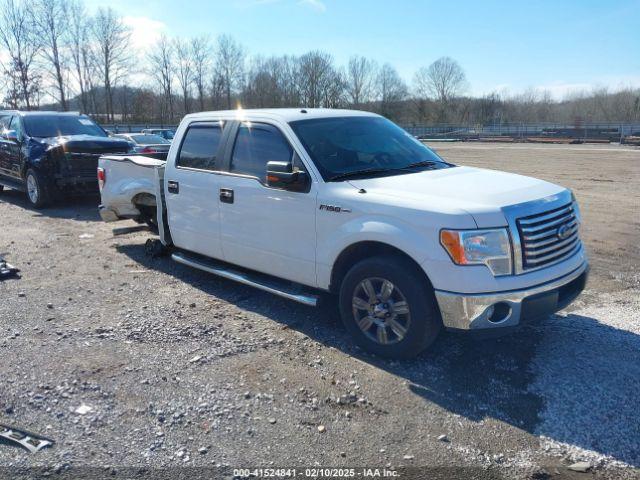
{"points": [[57, 55]]}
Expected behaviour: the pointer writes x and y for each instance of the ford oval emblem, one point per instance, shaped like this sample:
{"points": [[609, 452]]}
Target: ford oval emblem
{"points": [[563, 232]]}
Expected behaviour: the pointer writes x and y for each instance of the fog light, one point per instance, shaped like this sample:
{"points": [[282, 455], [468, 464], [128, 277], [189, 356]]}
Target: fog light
{"points": [[499, 312], [489, 311]]}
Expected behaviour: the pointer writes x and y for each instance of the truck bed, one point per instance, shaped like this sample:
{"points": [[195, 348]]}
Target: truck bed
{"points": [[129, 189]]}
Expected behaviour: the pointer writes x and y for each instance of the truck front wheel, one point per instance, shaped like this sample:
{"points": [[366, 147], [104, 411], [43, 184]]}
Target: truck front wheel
{"points": [[388, 307], [37, 189]]}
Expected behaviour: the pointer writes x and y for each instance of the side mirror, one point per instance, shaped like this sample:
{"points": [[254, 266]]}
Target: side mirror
{"points": [[282, 175], [10, 135]]}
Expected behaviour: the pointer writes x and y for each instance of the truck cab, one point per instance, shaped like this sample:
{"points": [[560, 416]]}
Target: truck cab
{"points": [[304, 201]]}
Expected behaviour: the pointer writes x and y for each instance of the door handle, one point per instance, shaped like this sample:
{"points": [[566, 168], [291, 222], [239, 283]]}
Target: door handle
{"points": [[226, 195], [173, 187]]}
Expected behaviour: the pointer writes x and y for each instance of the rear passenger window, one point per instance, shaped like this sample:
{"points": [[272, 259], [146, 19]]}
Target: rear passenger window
{"points": [[199, 147], [256, 144]]}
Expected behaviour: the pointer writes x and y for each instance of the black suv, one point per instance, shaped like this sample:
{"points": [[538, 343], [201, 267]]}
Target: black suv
{"points": [[47, 154]]}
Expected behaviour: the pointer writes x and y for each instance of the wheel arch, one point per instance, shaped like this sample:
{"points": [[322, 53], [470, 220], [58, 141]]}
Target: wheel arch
{"points": [[361, 250], [146, 199]]}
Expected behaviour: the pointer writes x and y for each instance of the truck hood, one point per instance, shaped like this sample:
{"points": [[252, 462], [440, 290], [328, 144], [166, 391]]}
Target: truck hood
{"points": [[87, 144], [480, 192]]}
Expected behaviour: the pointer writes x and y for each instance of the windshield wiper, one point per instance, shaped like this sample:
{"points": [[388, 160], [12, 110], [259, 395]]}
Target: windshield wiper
{"points": [[424, 163], [356, 173]]}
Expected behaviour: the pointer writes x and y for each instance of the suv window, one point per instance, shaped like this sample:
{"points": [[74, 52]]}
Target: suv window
{"points": [[256, 144], [46, 125], [4, 122], [16, 125], [199, 147]]}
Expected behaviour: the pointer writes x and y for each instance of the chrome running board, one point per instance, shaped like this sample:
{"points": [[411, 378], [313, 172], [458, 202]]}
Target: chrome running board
{"points": [[256, 280]]}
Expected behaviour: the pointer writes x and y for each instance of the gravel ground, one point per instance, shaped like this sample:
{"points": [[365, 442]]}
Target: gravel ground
{"points": [[176, 368]]}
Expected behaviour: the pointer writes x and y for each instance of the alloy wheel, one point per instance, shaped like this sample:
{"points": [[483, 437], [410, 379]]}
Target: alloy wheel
{"points": [[381, 311], [32, 189]]}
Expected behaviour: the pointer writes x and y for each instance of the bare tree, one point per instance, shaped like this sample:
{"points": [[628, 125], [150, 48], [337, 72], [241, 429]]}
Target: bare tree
{"points": [[50, 19], [201, 55], [319, 82], [112, 39], [391, 89], [443, 80], [229, 65], [162, 69], [18, 37], [82, 55], [184, 70], [360, 79]]}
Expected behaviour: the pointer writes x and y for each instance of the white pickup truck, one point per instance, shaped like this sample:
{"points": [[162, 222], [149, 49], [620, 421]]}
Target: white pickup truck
{"points": [[299, 202]]}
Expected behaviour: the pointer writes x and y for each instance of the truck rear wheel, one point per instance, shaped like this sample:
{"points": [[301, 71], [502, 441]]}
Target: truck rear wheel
{"points": [[388, 307], [37, 189]]}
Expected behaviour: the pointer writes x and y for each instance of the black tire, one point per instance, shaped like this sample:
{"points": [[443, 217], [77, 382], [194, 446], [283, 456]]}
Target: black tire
{"points": [[41, 196], [1, 188], [149, 216], [417, 329]]}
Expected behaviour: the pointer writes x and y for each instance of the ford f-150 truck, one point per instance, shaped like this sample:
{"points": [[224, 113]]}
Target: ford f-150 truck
{"points": [[47, 154], [301, 202]]}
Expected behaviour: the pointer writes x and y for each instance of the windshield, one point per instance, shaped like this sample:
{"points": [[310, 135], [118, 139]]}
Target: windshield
{"points": [[148, 139], [44, 126], [168, 134], [344, 147]]}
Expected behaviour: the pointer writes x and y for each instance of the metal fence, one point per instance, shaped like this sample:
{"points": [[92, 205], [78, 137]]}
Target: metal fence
{"points": [[604, 131], [609, 131]]}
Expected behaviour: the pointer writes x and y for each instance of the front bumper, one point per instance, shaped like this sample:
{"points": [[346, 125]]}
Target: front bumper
{"points": [[511, 308]]}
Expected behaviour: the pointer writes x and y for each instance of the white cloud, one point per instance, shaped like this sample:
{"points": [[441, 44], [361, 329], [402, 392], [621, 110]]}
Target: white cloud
{"points": [[145, 31], [316, 5]]}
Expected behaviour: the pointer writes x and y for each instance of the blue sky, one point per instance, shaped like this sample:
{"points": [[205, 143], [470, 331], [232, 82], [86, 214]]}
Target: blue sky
{"points": [[560, 45]]}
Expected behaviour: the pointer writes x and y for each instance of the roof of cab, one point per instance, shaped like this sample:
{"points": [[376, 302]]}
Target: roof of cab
{"points": [[283, 114]]}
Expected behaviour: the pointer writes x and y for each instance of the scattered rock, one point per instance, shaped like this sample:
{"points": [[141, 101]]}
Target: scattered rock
{"points": [[22, 294], [202, 450], [195, 359], [443, 438], [271, 420], [83, 409], [582, 467], [408, 457], [322, 428]]}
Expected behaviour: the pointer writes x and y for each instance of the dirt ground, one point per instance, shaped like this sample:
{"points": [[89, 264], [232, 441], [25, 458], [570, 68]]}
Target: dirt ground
{"points": [[185, 374]]}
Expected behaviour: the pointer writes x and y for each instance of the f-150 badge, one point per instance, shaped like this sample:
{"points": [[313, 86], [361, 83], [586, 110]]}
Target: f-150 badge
{"points": [[334, 208]]}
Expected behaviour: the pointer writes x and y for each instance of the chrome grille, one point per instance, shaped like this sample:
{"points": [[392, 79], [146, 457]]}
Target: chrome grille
{"points": [[548, 237], [84, 164]]}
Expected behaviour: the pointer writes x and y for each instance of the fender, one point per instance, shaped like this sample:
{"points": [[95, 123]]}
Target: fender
{"points": [[392, 231], [40, 156]]}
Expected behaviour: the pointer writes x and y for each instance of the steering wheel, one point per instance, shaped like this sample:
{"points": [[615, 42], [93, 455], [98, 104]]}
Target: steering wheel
{"points": [[383, 158]]}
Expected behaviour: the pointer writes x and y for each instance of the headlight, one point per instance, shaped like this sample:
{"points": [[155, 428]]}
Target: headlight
{"points": [[479, 247], [576, 208]]}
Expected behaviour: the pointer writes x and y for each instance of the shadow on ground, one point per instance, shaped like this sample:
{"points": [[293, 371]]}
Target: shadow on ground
{"points": [[80, 207], [571, 379]]}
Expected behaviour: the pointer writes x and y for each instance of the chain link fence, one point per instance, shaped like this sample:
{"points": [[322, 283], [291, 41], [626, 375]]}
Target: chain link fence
{"points": [[612, 132]]}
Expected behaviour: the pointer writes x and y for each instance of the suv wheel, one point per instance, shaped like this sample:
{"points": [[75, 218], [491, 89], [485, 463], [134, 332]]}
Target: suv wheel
{"points": [[37, 192], [389, 307]]}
